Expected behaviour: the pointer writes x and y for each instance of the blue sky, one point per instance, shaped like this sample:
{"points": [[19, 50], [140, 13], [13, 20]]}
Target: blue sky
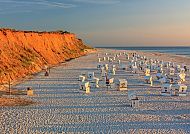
{"points": [[104, 22]]}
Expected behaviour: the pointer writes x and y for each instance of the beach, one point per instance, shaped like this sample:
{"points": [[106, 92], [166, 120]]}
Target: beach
{"points": [[62, 108]]}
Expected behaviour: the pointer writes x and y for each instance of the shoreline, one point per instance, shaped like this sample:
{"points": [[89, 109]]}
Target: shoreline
{"points": [[182, 59], [150, 50], [168, 57]]}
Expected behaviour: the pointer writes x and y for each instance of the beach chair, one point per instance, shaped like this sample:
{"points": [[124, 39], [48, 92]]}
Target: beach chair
{"points": [[85, 86], [99, 66], [99, 59], [179, 90], [90, 76], [181, 77], [122, 84], [129, 66], [174, 90], [30, 91], [127, 57], [178, 67], [153, 66], [148, 79], [163, 80], [166, 89], [104, 58], [134, 69], [106, 67], [95, 82], [108, 58], [114, 66], [103, 72], [147, 72], [119, 62], [135, 102], [182, 90], [171, 71], [113, 71], [159, 75], [182, 71], [81, 78], [109, 82]]}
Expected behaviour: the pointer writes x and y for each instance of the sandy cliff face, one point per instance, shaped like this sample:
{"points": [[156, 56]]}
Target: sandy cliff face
{"points": [[26, 52]]}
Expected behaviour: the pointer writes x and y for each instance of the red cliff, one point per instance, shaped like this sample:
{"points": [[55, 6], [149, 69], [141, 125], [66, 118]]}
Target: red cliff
{"points": [[26, 52]]}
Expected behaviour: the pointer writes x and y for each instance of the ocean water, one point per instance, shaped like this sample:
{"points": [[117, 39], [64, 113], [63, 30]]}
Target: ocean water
{"points": [[184, 51]]}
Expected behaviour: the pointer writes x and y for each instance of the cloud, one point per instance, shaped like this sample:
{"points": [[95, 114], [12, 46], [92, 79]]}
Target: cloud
{"points": [[21, 6], [11, 6], [98, 1]]}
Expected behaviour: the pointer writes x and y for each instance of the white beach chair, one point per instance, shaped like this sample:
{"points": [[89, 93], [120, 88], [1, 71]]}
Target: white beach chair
{"points": [[109, 82], [104, 58], [134, 69], [182, 70], [179, 90], [147, 72], [122, 84], [166, 90], [113, 71], [30, 91], [119, 62], [181, 77], [103, 72], [182, 90], [95, 82], [99, 66], [81, 78], [85, 86], [127, 57], [135, 102], [106, 67], [148, 79], [108, 58], [178, 67], [99, 59], [171, 71], [90, 76], [163, 80]]}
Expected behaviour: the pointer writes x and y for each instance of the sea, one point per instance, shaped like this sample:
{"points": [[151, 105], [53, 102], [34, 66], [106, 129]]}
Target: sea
{"points": [[183, 51]]}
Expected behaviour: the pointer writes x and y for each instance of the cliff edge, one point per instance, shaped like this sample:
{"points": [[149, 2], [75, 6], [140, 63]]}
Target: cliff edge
{"points": [[26, 52]]}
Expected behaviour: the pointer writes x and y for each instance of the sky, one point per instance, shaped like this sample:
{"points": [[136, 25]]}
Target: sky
{"points": [[104, 22]]}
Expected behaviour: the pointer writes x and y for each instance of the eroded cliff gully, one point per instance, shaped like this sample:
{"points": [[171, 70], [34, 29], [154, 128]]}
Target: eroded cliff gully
{"points": [[26, 52]]}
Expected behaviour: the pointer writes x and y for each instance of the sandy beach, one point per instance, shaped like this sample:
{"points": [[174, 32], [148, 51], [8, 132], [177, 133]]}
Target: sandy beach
{"points": [[63, 108]]}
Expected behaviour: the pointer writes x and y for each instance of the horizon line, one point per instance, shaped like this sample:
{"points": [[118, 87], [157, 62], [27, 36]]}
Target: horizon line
{"points": [[134, 46]]}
